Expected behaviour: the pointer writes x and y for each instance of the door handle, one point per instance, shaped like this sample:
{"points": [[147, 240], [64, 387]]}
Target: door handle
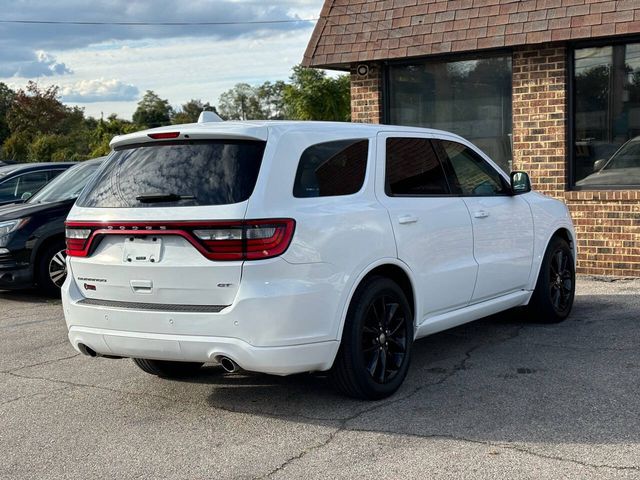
{"points": [[405, 219], [481, 214]]}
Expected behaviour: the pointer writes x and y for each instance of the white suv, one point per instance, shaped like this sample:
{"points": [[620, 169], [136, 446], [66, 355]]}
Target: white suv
{"points": [[286, 247]]}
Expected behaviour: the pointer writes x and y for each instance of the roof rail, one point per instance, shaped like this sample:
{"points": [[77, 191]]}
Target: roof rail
{"points": [[206, 117]]}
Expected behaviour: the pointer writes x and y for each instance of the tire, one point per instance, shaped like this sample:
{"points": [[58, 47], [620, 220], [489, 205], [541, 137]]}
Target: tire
{"points": [[375, 351], [51, 269], [553, 296], [167, 369]]}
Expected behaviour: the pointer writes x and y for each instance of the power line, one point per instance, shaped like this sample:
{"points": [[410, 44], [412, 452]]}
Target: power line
{"points": [[159, 24]]}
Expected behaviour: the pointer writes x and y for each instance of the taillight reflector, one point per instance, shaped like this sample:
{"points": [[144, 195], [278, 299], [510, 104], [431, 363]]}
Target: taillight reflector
{"points": [[236, 240]]}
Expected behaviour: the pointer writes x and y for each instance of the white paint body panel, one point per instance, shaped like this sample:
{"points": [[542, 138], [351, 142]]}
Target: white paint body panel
{"points": [[285, 315]]}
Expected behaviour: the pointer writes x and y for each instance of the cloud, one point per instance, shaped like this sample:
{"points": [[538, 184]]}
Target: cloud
{"points": [[41, 64], [21, 41], [99, 90]]}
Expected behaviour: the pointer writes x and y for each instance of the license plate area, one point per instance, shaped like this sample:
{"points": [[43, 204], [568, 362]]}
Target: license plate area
{"points": [[142, 249]]}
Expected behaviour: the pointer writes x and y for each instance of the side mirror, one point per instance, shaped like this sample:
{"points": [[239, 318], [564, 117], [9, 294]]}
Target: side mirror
{"points": [[25, 196], [598, 164], [520, 183]]}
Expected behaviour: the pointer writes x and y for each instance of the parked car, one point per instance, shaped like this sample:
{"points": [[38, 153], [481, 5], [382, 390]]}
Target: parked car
{"points": [[19, 181], [622, 169], [32, 245], [286, 247]]}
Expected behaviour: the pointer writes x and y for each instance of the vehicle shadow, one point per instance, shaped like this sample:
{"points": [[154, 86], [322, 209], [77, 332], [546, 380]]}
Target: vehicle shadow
{"points": [[500, 379]]}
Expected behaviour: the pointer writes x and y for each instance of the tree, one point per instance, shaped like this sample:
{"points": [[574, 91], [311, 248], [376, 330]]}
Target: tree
{"points": [[190, 111], [36, 109], [43, 128], [241, 103], [104, 132], [312, 95], [6, 100], [152, 111], [271, 98]]}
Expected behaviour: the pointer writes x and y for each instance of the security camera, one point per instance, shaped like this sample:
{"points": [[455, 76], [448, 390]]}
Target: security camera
{"points": [[362, 70]]}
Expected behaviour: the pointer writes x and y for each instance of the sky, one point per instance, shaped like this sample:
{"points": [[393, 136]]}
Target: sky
{"points": [[106, 69]]}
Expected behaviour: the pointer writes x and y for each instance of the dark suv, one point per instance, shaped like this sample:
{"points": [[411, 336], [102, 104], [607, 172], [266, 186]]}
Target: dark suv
{"points": [[32, 248], [19, 181]]}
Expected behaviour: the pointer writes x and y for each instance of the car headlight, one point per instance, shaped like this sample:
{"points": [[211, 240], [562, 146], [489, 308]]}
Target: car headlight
{"points": [[8, 227]]}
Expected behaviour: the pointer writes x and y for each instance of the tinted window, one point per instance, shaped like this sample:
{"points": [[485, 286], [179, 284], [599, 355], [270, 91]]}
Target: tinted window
{"points": [[212, 172], [471, 174], [66, 186], [606, 96], [413, 168], [8, 189], [469, 97], [331, 168], [31, 182]]}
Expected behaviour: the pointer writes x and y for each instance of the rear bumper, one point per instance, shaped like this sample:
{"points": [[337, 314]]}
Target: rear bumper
{"points": [[277, 324], [187, 348]]}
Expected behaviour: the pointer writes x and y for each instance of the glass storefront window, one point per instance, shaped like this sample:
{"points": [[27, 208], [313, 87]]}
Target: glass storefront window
{"points": [[607, 117], [469, 97]]}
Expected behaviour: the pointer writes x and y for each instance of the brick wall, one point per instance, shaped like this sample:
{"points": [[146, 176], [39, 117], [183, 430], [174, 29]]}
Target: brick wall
{"points": [[366, 95], [540, 116], [607, 222]]}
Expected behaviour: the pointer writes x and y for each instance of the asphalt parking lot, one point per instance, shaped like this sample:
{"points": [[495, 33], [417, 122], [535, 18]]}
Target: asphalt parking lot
{"points": [[498, 398]]}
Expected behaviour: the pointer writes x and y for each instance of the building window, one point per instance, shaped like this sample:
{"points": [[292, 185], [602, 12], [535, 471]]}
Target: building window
{"points": [[606, 123], [469, 97]]}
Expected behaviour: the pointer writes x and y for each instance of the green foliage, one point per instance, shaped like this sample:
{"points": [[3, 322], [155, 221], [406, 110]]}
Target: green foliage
{"points": [[190, 111], [152, 111], [312, 95], [241, 103], [36, 126], [6, 99], [104, 131]]}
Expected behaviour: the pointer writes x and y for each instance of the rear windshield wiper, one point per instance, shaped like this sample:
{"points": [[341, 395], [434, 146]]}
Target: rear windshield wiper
{"points": [[163, 197]]}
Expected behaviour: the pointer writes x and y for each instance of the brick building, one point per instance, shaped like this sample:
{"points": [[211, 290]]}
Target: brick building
{"points": [[547, 86]]}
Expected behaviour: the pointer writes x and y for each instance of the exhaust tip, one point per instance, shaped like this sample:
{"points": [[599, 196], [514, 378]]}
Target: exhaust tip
{"points": [[86, 350], [229, 365]]}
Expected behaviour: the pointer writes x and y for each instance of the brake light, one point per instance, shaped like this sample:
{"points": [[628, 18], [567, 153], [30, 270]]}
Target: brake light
{"points": [[163, 135], [248, 240], [222, 241], [76, 239]]}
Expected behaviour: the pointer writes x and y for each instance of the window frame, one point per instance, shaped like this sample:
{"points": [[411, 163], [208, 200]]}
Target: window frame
{"points": [[450, 171], [365, 178], [415, 195], [570, 183], [442, 57]]}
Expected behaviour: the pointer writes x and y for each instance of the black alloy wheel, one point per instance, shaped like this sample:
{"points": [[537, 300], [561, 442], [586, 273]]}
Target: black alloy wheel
{"points": [[375, 351], [384, 339], [553, 296], [561, 281]]}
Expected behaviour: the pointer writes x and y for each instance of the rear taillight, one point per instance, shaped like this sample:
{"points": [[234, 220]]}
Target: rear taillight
{"points": [[249, 240], [223, 241], [76, 240]]}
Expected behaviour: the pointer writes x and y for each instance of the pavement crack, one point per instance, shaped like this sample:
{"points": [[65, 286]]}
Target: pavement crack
{"points": [[303, 453], [23, 397], [509, 446], [46, 362]]}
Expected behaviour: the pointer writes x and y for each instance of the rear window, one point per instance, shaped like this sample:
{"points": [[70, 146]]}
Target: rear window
{"points": [[331, 168], [177, 174]]}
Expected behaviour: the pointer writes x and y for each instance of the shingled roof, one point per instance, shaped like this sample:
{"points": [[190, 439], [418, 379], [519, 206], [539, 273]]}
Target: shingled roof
{"points": [[367, 30]]}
